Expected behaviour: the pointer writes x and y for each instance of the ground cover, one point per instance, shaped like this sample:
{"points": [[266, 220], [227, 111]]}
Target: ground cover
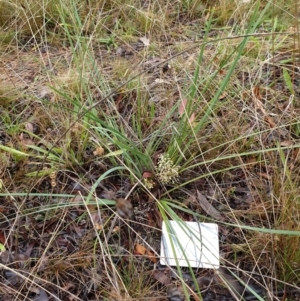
{"points": [[118, 115]]}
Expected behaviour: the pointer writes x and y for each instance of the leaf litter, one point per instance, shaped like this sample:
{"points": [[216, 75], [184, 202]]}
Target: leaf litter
{"points": [[59, 242]]}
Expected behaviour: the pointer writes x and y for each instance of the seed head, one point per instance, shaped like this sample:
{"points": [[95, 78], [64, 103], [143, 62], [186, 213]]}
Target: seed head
{"points": [[166, 171]]}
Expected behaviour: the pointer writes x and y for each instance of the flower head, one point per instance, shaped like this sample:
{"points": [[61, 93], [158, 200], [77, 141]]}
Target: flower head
{"points": [[149, 183], [166, 171]]}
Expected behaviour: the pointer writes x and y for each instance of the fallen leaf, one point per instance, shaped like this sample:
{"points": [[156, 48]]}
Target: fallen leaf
{"points": [[140, 249], [151, 256], [257, 94], [182, 107], [29, 127], [145, 41], [208, 207], [162, 277], [182, 110], [124, 208], [41, 296], [270, 121], [116, 230], [191, 200], [257, 97], [192, 117], [204, 282], [286, 143], [25, 142], [99, 227], [147, 174], [5, 256], [223, 95], [13, 278], [34, 289]]}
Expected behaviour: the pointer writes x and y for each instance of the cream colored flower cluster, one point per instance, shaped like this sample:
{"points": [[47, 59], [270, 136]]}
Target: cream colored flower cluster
{"points": [[166, 171]]}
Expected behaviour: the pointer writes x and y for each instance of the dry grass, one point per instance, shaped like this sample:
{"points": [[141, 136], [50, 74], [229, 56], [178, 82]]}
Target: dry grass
{"points": [[87, 109]]}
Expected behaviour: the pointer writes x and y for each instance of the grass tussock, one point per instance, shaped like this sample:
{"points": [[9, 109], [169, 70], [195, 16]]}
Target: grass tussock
{"points": [[117, 115]]}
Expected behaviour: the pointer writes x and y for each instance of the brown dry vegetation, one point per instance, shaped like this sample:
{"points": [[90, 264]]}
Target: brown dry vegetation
{"points": [[94, 93]]}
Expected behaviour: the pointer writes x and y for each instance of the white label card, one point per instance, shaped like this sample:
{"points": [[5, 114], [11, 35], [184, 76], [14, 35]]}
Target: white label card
{"points": [[190, 244]]}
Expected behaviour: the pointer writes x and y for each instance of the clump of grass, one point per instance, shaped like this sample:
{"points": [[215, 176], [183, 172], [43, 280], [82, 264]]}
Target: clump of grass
{"points": [[8, 95], [232, 150]]}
